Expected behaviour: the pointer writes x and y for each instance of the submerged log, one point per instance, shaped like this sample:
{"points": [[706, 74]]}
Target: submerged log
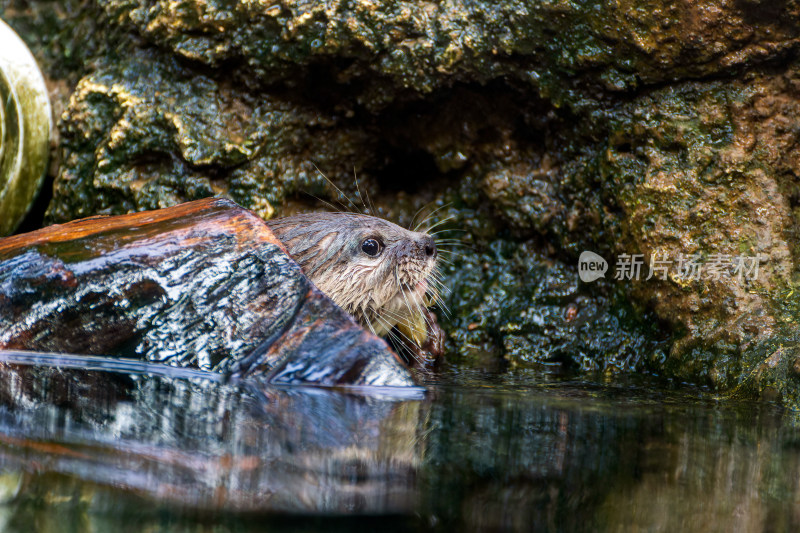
{"points": [[204, 284]]}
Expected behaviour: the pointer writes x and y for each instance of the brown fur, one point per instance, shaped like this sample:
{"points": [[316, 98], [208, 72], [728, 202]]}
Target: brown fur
{"points": [[381, 291]]}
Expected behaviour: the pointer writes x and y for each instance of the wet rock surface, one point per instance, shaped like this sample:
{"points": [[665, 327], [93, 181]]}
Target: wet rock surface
{"points": [[203, 285], [544, 129], [561, 49], [532, 312]]}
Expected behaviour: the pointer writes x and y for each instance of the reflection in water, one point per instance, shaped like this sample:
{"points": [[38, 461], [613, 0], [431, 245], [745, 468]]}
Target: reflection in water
{"points": [[203, 445], [102, 451], [713, 471], [595, 459]]}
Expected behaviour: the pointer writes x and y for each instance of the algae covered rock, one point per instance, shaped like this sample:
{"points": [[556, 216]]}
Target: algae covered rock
{"points": [[659, 131], [558, 48], [146, 133], [701, 177], [534, 312]]}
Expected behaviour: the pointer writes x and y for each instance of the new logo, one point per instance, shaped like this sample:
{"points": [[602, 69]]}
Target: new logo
{"points": [[591, 267]]}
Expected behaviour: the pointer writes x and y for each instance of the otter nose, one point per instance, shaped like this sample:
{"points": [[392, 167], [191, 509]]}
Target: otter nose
{"points": [[429, 245]]}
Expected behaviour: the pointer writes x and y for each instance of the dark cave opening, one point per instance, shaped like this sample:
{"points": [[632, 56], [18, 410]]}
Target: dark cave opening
{"points": [[407, 170]]}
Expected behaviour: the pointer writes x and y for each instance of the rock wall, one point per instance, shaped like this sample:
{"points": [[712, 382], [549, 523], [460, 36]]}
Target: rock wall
{"points": [[667, 129]]}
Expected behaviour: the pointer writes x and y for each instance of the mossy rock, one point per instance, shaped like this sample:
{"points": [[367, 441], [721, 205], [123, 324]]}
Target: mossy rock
{"points": [[545, 129]]}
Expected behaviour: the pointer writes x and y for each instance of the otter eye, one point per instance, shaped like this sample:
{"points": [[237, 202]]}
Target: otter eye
{"points": [[371, 247]]}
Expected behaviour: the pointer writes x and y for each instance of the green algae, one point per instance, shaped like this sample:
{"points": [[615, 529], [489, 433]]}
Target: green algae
{"points": [[563, 49], [549, 127], [147, 133], [514, 302]]}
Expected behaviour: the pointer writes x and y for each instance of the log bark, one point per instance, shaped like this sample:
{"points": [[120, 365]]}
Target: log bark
{"points": [[204, 284]]}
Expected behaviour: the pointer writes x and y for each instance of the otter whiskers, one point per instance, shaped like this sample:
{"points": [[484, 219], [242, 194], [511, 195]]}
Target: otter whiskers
{"points": [[381, 273]]}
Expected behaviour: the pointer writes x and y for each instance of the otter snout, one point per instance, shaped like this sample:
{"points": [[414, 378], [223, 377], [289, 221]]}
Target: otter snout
{"points": [[418, 247], [428, 246]]}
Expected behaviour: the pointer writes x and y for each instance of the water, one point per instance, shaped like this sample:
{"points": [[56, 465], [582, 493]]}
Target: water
{"points": [[102, 451]]}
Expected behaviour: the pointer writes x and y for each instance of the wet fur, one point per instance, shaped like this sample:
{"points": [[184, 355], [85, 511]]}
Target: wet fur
{"points": [[380, 291]]}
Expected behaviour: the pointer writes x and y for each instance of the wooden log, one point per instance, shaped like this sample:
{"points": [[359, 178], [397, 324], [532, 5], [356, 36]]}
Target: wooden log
{"points": [[204, 284]]}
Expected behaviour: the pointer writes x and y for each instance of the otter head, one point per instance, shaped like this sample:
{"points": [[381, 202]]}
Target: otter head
{"points": [[377, 271]]}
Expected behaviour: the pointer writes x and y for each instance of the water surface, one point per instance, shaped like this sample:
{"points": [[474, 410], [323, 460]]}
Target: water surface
{"points": [[108, 451]]}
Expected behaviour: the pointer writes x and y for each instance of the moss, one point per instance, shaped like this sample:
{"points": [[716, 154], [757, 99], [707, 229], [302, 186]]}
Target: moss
{"points": [[143, 132], [549, 128], [565, 50], [513, 301], [696, 170]]}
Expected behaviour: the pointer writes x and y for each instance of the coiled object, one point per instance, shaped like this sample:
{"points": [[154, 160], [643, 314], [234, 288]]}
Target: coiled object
{"points": [[25, 129]]}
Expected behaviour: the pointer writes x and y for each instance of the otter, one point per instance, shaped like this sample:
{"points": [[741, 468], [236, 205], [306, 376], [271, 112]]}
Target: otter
{"points": [[382, 274]]}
